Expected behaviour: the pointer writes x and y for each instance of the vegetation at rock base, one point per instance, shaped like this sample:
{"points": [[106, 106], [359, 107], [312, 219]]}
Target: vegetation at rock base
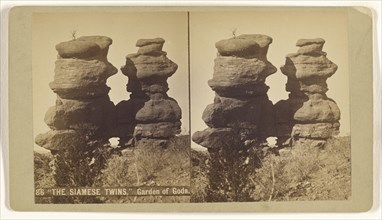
{"points": [[149, 166], [294, 174], [138, 166]]}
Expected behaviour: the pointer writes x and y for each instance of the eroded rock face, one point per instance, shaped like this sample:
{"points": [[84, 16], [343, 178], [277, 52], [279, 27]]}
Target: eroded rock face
{"points": [[150, 116], [241, 113], [241, 116], [83, 118], [79, 78], [83, 110], [308, 117], [242, 67]]}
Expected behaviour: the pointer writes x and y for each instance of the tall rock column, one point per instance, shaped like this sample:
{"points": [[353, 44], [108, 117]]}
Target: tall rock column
{"points": [[150, 116], [241, 115], [83, 118], [308, 117]]}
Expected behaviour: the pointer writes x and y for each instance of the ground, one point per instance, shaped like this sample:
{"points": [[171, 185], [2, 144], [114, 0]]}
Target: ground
{"points": [[294, 174]]}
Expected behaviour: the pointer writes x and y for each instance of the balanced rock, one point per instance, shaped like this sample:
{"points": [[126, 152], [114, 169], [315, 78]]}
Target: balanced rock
{"points": [[244, 45], [241, 113], [308, 117], [144, 42], [77, 49], [102, 41], [83, 112], [150, 116], [310, 46], [150, 46], [84, 47]]}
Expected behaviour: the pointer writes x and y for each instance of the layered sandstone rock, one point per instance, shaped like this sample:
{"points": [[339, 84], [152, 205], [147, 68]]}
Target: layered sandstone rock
{"points": [[83, 117], [308, 117], [83, 104], [241, 112], [149, 115], [241, 116]]}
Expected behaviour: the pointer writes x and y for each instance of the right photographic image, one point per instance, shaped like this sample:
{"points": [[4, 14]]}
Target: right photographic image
{"points": [[270, 105]]}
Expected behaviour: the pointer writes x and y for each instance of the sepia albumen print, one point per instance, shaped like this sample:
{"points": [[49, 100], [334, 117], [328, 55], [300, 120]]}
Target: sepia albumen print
{"points": [[169, 107]]}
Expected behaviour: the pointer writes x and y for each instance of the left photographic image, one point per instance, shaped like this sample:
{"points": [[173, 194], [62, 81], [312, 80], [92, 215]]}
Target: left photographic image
{"points": [[111, 107]]}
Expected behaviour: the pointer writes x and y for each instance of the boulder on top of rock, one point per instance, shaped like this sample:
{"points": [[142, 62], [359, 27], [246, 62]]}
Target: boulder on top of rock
{"points": [[102, 41], [77, 49], [244, 45], [151, 49], [311, 46], [304, 42], [163, 110], [144, 66], [84, 47], [150, 46], [312, 49], [260, 39], [144, 42]]}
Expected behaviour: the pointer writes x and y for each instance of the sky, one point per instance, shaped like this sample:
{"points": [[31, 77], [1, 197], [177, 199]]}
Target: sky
{"points": [[206, 28]]}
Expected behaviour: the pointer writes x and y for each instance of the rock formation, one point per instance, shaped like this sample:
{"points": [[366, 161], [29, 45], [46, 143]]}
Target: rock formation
{"points": [[241, 117], [308, 117], [241, 112], [149, 115], [83, 117]]}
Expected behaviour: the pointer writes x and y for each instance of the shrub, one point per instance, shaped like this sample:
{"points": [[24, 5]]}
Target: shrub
{"points": [[199, 178], [146, 165], [306, 173]]}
